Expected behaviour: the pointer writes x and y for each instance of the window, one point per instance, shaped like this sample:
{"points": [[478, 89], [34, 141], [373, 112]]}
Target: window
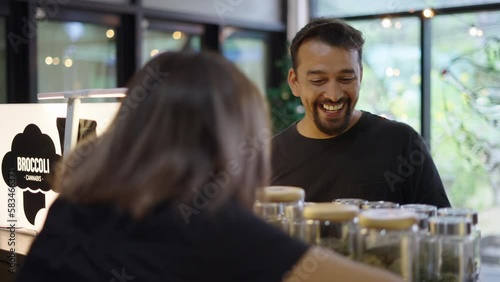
{"points": [[248, 51], [391, 69], [75, 55], [338, 8], [466, 110], [3, 63], [160, 37]]}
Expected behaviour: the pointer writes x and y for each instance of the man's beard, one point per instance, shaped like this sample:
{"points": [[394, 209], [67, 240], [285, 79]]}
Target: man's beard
{"points": [[332, 129]]}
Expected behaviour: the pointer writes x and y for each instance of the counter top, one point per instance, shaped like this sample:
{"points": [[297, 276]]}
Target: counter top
{"points": [[23, 239]]}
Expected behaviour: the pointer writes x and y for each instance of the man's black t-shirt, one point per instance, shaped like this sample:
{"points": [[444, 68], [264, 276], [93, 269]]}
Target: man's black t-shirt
{"points": [[95, 243], [376, 159]]}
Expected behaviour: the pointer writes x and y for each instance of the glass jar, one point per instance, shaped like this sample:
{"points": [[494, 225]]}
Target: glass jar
{"points": [[422, 270], [428, 210], [473, 216], [282, 206], [451, 252], [380, 205], [351, 201], [387, 239], [332, 226]]}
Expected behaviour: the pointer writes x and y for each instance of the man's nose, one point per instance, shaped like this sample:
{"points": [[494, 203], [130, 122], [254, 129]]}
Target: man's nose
{"points": [[334, 92]]}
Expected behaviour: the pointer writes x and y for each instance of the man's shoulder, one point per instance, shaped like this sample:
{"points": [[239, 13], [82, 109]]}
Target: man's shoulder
{"points": [[386, 126], [286, 134]]}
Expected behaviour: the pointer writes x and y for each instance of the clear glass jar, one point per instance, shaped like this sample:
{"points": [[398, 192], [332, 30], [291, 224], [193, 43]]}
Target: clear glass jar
{"points": [[282, 207], [351, 201], [421, 269], [473, 216], [380, 205], [451, 249], [332, 226], [428, 210], [387, 239]]}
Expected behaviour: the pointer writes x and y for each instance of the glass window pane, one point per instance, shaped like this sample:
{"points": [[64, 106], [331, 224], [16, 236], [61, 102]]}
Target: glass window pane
{"points": [[391, 69], [338, 8], [3, 63], [466, 110], [75, 55], [155, 41], [248, 51]]}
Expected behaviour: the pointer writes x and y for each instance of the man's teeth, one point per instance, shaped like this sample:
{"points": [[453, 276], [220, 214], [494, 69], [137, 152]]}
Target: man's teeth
{"points": [[333, 108]]}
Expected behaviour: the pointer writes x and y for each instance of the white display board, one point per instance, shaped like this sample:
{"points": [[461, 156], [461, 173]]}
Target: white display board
{"points": [[30, 145]]}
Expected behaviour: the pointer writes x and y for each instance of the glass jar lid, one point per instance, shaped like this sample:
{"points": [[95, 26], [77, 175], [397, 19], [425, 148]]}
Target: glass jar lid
{"points": [[351, 201], [395, 219], [330, 211], [460, 212], [449, 225], [380, 205], [283, 194], [429, 210]]}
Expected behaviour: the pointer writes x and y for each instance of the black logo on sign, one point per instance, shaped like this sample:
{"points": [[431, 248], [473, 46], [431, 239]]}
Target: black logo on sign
{"points": [[32, 159]]}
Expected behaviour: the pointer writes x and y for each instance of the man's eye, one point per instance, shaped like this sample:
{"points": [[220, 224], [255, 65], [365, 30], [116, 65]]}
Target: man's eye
{"points": [[317, 82], [347, 79]]}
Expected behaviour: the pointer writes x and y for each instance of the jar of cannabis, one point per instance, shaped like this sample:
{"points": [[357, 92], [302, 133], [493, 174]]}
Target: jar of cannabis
{"points": [[422, 270], [282, 206], [472, 215], [380, 205], [451, 255], [387, 239], [351, 201], [331, 225]]}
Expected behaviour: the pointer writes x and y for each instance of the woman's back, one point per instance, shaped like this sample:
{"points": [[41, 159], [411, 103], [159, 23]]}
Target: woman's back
{"points": [[94, 243]]}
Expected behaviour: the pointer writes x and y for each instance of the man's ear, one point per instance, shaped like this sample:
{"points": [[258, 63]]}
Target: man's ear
{"points": [[293, 82], [361, 74]]}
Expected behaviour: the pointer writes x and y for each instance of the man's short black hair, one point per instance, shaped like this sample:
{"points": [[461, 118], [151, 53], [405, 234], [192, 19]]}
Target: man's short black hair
{"points": [[331, 31]]}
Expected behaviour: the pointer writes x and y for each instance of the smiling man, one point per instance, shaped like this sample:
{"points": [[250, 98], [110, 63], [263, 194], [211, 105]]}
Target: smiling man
{"points": [[337, 151]]}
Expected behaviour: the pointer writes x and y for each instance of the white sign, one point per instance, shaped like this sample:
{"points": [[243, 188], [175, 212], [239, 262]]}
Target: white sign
{"points": [[30, 145]]}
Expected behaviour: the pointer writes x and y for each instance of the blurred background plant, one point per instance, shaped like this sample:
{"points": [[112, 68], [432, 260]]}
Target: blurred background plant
{"points": [[284, 107]]}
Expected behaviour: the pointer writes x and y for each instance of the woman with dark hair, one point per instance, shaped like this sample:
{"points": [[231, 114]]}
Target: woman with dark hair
{"points": [[165, 194]]}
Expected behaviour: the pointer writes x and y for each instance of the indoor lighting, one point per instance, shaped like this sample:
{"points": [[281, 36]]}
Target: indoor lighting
{"points": [[48, 60], [386, 22], [389, 72], [154, 52], [177, 35], [72, 118], [55, 61], [428, 13], [68, 63], [110, 33], [473, 31], [398, 25]]}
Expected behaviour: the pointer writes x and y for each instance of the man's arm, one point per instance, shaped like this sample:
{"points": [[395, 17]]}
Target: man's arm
{"points": [[427, 187]]}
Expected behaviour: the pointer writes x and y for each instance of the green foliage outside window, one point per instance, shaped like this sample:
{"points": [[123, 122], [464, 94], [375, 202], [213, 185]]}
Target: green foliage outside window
{"points": [[285, 108]]}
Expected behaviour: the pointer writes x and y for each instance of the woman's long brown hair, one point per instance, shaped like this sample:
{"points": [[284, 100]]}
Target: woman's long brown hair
{"points": [[191, 127]]}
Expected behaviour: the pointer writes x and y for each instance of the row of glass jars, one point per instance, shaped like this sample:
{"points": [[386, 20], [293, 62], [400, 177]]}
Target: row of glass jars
{"points": [[418, 242]]}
